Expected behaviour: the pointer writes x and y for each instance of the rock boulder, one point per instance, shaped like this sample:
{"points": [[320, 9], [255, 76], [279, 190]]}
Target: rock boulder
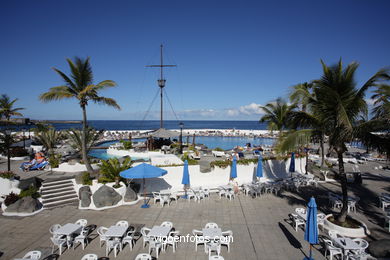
{"points": [[85, 196], [130, 195], [24, 205], [380, 248], [106, 196]]}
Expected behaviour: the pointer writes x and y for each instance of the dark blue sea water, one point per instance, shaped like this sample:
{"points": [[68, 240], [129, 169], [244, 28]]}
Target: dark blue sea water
{"points": [[168, 124]]}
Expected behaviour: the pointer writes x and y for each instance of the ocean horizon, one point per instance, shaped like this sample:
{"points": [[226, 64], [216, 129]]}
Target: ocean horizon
{"points": [[168, 124]]}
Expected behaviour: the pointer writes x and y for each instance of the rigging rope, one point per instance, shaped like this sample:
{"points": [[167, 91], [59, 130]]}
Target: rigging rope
{"points": [[150, 107], [170, 104]]}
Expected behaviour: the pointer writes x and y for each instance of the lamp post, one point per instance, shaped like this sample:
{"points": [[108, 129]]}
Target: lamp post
{"points": [[8, 144], [181, 137], [307, 158], [24, 138]]}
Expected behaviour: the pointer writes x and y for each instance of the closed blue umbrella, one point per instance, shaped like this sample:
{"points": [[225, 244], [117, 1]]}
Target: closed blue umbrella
{"points": [[259, 170], [311, 231], [143, 171], [292, 163], [233, 171], [186, 178]]}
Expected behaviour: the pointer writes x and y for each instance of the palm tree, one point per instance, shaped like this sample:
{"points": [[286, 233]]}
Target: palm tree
{"points": [[79, 85], [111, 168], [340, 103], [382, 101], [6, 108], [49, 138], [309, 124], [92, 137], [277, 114]]}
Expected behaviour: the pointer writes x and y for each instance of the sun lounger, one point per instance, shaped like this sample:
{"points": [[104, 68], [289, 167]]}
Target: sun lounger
{"points": [[39, 166], [218, 153]]}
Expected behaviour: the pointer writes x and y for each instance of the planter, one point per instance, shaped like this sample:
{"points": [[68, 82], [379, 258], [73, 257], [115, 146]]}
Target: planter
{"points": [[360, 232]]}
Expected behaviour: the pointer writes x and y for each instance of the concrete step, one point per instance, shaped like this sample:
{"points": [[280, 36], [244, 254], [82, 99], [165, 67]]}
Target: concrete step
{"points": [[56, 187], [51, 195], [59, 198], [52, 205], [64, 189], [56, 183]]}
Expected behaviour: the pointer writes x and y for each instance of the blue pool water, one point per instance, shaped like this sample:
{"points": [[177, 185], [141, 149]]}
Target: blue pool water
{"points": [[212, 142]]}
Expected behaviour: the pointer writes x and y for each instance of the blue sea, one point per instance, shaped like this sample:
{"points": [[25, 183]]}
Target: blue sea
{"points": [[168, 124]]}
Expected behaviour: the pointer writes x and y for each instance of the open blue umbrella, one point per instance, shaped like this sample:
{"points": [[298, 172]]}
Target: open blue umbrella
{"points": [[186, 178], [233, 171], [311, 231], [292, 163], [143, 171], [259, 170]]}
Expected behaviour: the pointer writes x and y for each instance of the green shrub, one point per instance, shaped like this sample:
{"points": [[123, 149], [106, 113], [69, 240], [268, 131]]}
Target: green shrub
{"points": [[220, 164], [7, 175], [111, 168], [189, 160], [11, 199], [116, 186], [127, 145], [104, 180], [54, 160], [218, 149], [31, 191], [246, 161], [86, 178]]}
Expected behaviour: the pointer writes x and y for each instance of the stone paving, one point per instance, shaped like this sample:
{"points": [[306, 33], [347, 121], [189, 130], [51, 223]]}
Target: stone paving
{"points": [[260, 226]]}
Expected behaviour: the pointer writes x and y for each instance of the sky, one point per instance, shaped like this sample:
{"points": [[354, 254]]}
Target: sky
{"points": [[231, 56]]}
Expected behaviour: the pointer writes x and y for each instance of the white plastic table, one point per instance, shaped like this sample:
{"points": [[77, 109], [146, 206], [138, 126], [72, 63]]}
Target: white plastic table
{"points": [[116, 231], [302, 215], [165, 192], [226, 187], [212, 232], [346, 243], [159, 231], [68, 229]]}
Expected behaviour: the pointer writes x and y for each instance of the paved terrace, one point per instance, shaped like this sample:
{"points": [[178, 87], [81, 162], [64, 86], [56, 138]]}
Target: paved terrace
{"points": [[260, 226]]}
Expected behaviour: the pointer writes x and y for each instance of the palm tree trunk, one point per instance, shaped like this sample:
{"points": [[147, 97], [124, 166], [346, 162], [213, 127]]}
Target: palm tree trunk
{"points": [[322, 150], [83, 141], [343, 214]]}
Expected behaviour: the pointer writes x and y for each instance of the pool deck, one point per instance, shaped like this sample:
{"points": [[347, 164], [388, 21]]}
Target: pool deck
{"points": [[260, 226]]}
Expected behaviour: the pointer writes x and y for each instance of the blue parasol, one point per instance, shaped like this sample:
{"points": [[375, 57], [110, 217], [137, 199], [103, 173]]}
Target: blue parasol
{"points": [[143, 171], [311, 231]]}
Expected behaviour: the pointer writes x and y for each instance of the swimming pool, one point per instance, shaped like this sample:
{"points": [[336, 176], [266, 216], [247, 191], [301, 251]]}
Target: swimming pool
{"points": [[224, 142]]}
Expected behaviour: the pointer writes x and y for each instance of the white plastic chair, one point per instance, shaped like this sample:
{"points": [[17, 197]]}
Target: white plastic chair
{"points": [[332, 234], [300, 210], [128, 239], [321, 220], [34, 255], [82, 222], [167, 224], [214, 245], [172, 240], [156, 197], [225, 239], [337, 204], [206, 193], [216, 257], [59, 242], [221, 192], [82, 239], [122, 223], [211, 225], [101, 231], [155, 244], [351, 206], [230, 194], [52, 230], [198, 234], [143, 257], [146, 238], [363, 244], [329, 247], [190, 195], [297, 221], [114, 245], [90, 257], [173, 196]]}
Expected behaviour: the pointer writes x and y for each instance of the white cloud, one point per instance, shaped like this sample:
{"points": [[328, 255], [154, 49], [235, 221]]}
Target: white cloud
{"points": [[251, 109]]}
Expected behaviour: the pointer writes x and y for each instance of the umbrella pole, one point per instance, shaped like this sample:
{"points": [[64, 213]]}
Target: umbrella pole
{"points": [[145, 205], [310, 252]]}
